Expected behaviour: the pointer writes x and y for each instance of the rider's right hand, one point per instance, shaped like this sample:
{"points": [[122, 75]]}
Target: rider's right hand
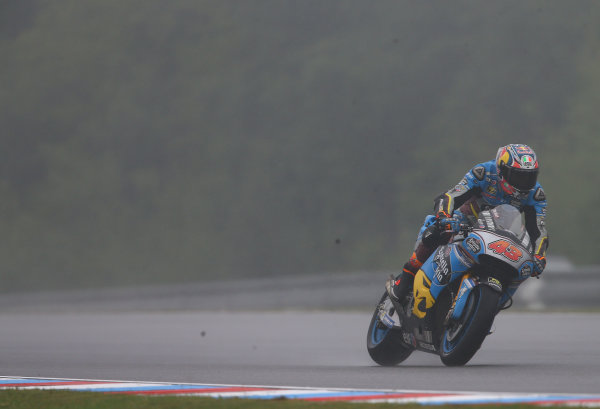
{"points": [[539, 264]]}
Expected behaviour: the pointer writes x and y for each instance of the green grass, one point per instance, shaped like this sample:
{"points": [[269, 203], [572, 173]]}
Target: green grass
{"points": [[56, 399]]}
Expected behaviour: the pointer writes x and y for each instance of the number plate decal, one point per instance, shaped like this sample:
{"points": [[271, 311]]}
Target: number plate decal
{"points": [[505, 249]]}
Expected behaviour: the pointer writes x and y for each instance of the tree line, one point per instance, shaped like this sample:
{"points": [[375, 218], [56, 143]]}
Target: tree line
{"points": [[146, 141]]}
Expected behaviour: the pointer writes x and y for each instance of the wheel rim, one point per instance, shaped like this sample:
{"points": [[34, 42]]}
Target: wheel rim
{"points": [[453, 335], [378, 333]]}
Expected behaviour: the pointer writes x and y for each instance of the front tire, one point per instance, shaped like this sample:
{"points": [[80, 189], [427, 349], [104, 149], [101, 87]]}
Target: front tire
{"points": [[461, 340], [385, 344]]}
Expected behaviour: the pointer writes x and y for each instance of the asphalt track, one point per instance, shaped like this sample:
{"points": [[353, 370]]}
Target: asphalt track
{"points": [[529, 352]]}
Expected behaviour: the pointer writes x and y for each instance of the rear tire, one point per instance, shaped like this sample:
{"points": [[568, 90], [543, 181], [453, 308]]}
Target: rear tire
{"points": [[461, 340], [385, 344]]}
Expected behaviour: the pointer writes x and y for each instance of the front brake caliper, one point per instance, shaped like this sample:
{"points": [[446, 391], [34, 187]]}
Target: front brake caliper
{"points": [[386, 310]]}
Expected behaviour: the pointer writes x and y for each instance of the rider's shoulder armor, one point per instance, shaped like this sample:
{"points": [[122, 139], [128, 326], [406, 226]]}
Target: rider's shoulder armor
{"points": [[536, 196], [539, 194], [481, 173]]}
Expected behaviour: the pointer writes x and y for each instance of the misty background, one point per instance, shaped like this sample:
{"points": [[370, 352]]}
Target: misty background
{"points": [[152, 141]]}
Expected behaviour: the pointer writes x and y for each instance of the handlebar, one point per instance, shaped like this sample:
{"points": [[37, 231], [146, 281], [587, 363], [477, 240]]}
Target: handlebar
{"points": [[452, 225]]}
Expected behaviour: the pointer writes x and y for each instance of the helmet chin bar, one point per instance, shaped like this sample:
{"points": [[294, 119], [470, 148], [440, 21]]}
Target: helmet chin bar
{"points": [[517, 179], [511, 190]]}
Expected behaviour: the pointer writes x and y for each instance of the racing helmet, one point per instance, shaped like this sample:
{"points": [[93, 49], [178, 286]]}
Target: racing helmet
{"points": [[518, 168]]}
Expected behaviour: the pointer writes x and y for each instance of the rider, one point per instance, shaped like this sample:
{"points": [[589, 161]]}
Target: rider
{"points": [[510, 179]]}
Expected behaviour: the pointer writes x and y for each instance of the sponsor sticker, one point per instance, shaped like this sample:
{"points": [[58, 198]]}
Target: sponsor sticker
{"points": [[442, 269], [387, 320], [527, 162], [459, 188], [473, 244], [495, 283], [523, 149]]}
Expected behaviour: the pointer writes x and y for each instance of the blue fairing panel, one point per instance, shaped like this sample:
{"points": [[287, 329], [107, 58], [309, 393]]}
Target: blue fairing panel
{"points": [[444, 266]]}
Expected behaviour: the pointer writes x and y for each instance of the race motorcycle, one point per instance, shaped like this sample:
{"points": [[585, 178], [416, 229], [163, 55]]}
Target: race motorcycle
{"points": [[457, 292]]}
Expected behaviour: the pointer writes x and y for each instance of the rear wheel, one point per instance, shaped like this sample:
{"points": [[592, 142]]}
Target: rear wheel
{"points": [[461, 340], [383, 343]]}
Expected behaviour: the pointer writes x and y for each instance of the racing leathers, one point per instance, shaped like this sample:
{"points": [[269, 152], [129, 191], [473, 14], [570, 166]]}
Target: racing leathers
{"points": [[479, 190]]}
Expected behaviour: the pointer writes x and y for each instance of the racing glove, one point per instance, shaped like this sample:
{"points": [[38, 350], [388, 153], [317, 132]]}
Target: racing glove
{"points": [[432, 236], [539, 264], [449, 224]]}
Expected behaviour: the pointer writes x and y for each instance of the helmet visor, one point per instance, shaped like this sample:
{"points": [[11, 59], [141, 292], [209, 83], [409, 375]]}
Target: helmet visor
{"points": [[520, 179]]}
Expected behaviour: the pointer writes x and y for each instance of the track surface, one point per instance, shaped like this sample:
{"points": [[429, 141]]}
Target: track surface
{"points": [[529, 352]]}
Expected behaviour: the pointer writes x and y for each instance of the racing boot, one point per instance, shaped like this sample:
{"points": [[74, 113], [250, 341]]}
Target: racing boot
{"points": [[399, 287]]}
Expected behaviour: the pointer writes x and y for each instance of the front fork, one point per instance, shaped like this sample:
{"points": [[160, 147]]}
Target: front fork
{"points": [[469, 281], [458, 305]]}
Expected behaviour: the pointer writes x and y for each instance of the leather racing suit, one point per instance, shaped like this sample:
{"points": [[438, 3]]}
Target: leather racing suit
{"points": [[480, 190]]}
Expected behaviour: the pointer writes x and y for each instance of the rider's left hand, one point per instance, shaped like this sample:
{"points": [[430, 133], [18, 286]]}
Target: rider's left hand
{"points": [[539, 264], [449, 225]]}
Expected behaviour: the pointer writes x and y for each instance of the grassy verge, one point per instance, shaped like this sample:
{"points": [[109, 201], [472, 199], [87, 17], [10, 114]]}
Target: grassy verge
{"points": [[55, 399]]}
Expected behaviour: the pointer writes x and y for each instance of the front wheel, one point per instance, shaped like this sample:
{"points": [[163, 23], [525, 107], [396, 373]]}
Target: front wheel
{"points": [[383, 343], [461, 340]]}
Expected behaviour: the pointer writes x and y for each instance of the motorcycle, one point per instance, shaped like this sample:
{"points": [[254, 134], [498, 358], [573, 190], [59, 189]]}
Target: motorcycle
{"points": [[457, 292]]}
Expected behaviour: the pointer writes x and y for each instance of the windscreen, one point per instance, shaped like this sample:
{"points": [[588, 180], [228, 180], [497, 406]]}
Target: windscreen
{"points": [[508, 218]]}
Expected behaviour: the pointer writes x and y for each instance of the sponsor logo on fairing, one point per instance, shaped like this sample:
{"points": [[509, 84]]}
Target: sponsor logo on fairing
{"points": [[473, 244], [442, 270]]}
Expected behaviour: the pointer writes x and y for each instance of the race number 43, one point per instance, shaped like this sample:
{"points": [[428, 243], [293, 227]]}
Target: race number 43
{"points": [[504, 248]]}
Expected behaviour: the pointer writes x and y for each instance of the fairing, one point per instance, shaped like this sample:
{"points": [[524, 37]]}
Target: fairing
{"points": [[500, 235]]}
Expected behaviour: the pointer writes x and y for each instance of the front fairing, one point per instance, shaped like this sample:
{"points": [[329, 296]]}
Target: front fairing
{"points": [[501, 235], [481, 245]]}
